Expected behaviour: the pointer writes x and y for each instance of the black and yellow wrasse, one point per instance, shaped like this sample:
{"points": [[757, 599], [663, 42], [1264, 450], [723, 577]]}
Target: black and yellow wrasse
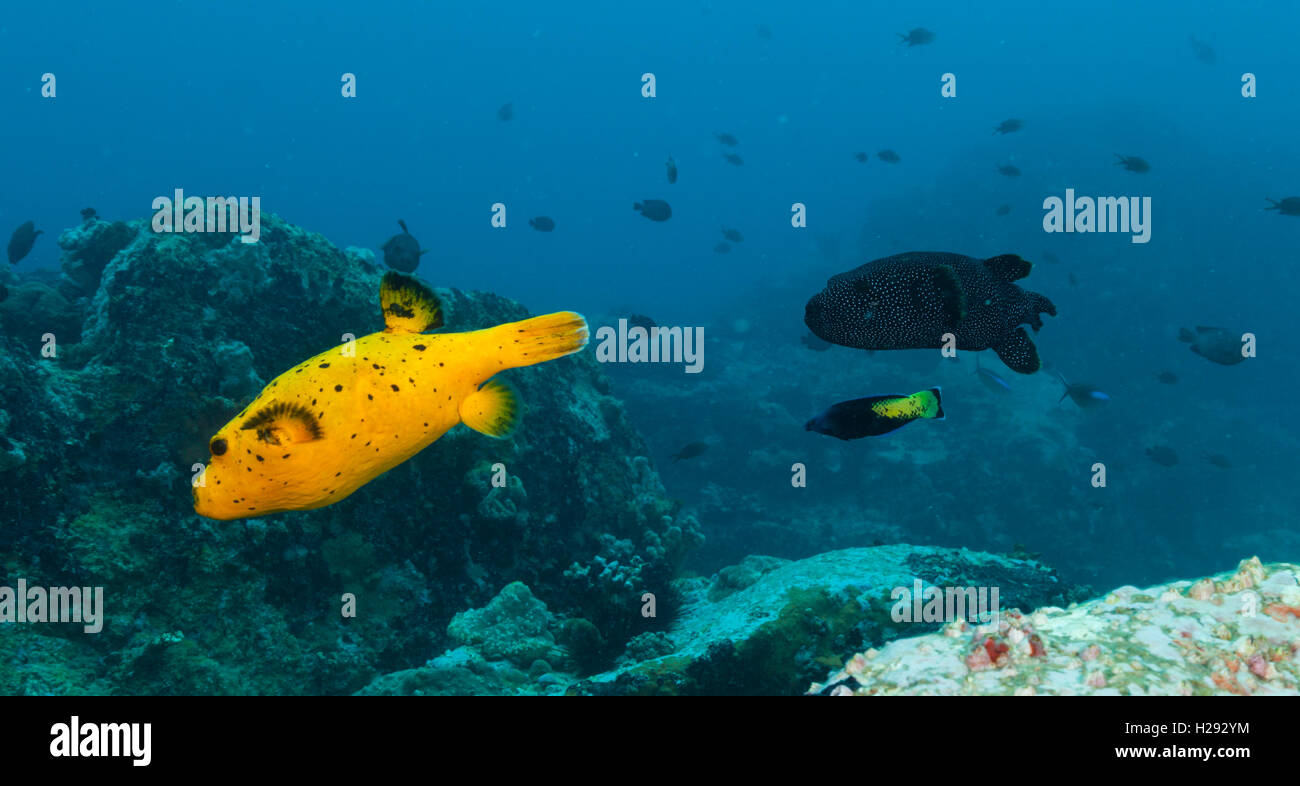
{"points": [[876, 415]]}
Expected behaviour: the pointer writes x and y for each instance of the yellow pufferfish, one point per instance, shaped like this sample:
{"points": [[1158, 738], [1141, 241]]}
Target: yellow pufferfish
{"points": [[333, 423]]}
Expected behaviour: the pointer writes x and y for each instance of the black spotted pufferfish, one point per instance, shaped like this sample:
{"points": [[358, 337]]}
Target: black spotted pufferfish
{"points": [[909, 301], [334, 422]]}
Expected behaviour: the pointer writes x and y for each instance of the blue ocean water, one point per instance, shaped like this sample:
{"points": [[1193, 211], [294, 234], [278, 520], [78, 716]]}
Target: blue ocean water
{"points": [[228, 99], [245, 99]]}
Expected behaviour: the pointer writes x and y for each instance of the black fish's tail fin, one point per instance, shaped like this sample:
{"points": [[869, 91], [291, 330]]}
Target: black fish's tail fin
{"points": [[1036, 304], [1276, 204], [1186, 336]]}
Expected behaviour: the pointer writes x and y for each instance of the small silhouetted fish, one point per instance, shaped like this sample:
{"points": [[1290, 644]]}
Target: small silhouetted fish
{"points": [[916, 37], [1086, 396], [1163, 455], [506, 112], [402, 252], [641, 321], [690, 451], [1004, 209], [888, 156], [542, 223], [814, 343], [734, 159], [1167, 377], [1287, 207], [862, 157], [1074, 282], [721, 248], [1214, 344], [1048, 256], [22, 240], [733, 235], [653, 209], [672, 170], [88, 214], [727, 139], [764, 32], [1203, 51], [991, 380], [1009, 126], [876, 415], [1009, 170], [1132, 163], [1218, 460]]}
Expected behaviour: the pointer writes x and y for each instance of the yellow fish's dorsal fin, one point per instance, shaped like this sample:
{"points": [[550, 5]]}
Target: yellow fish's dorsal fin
{"points": [[284, 424], [492, 409], [409, 306]]}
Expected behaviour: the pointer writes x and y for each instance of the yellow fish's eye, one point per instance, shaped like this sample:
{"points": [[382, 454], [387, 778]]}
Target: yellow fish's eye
{"points": [[218, 446]]}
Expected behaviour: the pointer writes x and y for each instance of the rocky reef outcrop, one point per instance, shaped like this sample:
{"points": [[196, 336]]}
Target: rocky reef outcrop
{"points": [[1233, 633], [763, 626], [118, 371]]}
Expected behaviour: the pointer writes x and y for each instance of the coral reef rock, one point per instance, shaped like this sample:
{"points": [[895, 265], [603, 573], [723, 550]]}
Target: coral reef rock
{"points": [[772, 626], [1233, 633], [156, 340], [507, 648]]}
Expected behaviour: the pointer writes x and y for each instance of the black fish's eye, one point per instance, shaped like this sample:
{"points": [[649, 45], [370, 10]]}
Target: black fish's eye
{"points": [[218, 446]]}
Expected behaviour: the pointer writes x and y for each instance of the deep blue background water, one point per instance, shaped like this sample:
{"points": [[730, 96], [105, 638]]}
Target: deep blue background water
{"points": [[244, 99]]}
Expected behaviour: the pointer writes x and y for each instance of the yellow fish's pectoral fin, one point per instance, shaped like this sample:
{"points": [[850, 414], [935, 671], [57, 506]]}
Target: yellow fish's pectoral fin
{"points": [[409, 306], [493, 409], [284, 424]]}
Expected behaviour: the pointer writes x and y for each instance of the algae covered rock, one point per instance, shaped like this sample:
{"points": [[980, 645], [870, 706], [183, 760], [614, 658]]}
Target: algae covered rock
{"points": [[459, 672], [514, 626], [1233, 633], [737, 577], [506, 648], [88, 248], [794, 618]]}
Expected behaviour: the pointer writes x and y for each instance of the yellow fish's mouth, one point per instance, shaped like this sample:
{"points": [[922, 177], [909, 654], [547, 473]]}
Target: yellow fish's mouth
{"points": [[206, 505]]}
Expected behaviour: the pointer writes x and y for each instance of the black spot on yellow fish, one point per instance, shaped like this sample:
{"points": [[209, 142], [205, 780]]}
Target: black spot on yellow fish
{"points": [[281, 421]]}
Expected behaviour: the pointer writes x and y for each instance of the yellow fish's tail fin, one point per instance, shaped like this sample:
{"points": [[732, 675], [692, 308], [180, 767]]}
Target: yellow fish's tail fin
{"points": [[493, 409], [540, 339]]}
